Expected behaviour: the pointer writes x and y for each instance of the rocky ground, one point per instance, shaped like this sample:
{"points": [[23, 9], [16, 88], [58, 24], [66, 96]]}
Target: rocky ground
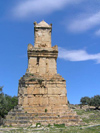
{"points": [[90, 117]]}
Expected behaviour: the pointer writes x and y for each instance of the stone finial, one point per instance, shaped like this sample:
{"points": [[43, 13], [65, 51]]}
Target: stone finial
{"points": [[42, 24], [30, 47]]}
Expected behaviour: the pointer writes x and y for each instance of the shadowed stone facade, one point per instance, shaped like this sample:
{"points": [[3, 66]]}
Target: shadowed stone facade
{"points": [[42, 92]]}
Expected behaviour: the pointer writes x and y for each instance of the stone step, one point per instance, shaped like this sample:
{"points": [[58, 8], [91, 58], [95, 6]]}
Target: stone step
{"points": [[31, 114], [17, 121], [43, 122], [9, 117], [55, 117], [13, 114], [17, 125], [59, 121]]}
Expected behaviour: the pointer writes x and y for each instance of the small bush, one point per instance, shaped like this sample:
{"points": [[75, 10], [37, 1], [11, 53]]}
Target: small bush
{"points": [[51, 80], [46, 110], [40, 81], [38, 124], [33, 79], [49, 125], [59, 125], [31, 74]]}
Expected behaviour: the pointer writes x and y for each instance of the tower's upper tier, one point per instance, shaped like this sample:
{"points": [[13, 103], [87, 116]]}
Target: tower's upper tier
{"points": [[42, 33]]}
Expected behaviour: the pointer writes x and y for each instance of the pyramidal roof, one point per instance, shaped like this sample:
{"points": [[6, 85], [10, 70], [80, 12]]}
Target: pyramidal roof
{"points": [[42, 24]]}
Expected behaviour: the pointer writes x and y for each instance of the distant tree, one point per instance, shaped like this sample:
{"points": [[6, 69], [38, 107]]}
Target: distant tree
{"points": [[11, 101], [2, 103], [6, 103], [95, 101], [68, 102], [1, 88], [85, 101]]}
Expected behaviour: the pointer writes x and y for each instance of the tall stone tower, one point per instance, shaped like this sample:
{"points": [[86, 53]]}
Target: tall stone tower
{"points": [[42, 92]]}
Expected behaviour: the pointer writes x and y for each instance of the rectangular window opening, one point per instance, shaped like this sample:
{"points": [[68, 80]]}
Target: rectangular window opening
{"points": [[37, 60]]}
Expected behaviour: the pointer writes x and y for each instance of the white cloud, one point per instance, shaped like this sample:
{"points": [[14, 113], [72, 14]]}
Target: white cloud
{"points": [[26, 8], [77, 55], [80, 25], [97, 32]]}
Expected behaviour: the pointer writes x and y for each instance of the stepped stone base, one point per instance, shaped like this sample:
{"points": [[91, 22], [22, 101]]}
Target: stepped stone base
{"points": [[17, 117], [41, 100]]}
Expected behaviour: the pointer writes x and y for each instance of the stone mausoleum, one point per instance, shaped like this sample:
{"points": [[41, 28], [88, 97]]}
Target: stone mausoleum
{"points": [[42, 96]]}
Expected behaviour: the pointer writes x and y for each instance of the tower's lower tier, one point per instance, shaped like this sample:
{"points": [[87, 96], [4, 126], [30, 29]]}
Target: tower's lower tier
{"points": [[42, 99], [20, 118]]}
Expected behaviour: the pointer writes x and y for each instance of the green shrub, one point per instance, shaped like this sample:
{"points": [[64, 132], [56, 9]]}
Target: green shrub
{"points": [[46, 110], [49, 125], [32, 79], [85, 101], [59, 125], [93, 101], [40, 81], [7, 103], [38, 124]]}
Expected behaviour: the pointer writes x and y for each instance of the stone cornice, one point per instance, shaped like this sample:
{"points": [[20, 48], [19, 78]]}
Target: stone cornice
{"points": [[42, 52]]}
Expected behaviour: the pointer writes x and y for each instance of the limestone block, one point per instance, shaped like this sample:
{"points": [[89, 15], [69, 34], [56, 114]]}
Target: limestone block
{"points": [[38, 100], [20, 90], [42, 70], [29, 90], [32, 64], [30, 46], [52, 91], [63, 85], [33, 70], [52, 71], [63, 100], [51, 85], [43, 90], [56, 91], [57, 100], [53, 100], [36, 90], [25, 100], [44, 100], [20, 100], [43, 37], [37, 69], [42, 66], [32, 61], [42, 62], [52, 63], [30, 101], [25, 91], [30, 96]]}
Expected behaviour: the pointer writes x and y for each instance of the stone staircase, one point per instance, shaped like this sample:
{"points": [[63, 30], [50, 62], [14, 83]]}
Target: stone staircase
{"points": [[17, 117]]}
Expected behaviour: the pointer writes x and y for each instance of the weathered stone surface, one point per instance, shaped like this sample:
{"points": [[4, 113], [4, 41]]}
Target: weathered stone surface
{"points": [[42, 34], [42, 95]]}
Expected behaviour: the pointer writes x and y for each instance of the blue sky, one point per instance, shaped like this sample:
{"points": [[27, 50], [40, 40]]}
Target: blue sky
{"points": [[76, 31]]}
